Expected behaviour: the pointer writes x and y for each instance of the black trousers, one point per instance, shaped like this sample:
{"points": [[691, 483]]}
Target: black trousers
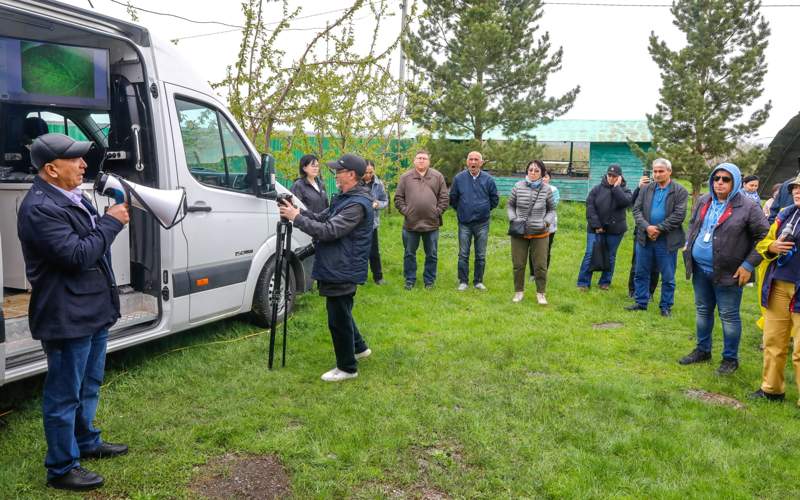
{"points": [[347, 340], [375, 257]]}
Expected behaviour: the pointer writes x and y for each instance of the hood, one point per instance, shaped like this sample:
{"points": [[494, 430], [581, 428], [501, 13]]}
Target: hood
{"points": [[735, 173]]}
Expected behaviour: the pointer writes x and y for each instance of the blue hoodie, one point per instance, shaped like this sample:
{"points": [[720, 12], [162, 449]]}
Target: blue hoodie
{"points": [[703, 248]]}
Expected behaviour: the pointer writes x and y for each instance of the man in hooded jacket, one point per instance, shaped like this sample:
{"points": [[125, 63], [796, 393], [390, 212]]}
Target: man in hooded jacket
{"points": [[720, 257]]}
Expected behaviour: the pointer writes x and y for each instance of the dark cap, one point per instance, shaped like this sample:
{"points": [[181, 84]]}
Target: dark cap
{"points": [[49, 147], [614, 169], [350, 162]]}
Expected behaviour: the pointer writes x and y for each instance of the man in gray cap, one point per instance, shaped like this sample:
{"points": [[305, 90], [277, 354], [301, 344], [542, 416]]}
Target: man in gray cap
{"points": [[74, 301], [343, 238]]}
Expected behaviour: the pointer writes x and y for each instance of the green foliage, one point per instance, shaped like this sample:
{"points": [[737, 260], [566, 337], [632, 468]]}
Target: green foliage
{"points": [[478, 65], [707, 84], [57, 70]]}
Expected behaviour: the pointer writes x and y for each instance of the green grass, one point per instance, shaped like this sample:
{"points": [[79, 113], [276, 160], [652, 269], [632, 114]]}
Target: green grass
{"points": [[466, 393]]}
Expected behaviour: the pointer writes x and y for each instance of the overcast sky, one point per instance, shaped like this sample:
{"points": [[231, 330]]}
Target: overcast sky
{"points": [[605, 48]]}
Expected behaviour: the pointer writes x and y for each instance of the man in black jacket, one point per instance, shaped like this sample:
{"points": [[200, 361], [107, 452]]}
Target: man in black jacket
{"points": [[343, 237], [74, 301], [605, 221]]}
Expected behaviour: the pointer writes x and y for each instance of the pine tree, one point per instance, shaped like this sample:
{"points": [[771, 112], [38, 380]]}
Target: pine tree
{"points": [[479, 65], [706, 85]]}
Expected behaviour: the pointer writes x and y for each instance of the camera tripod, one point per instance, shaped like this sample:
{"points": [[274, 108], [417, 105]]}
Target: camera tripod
{"points": [[283, 250]]}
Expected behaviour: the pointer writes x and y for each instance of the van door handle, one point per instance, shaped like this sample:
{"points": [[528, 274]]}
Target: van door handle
{"points": [[198, 208]]}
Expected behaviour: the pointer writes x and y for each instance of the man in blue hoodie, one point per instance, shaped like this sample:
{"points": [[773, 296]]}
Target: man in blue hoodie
{"points": [[473, 195], [720, 257]]}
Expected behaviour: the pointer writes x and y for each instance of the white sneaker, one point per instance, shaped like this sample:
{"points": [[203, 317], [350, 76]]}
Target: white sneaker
{"points": [[540, 298], [517, 297], [364, 354], [480, 286], [337, 375], [462, 287]]}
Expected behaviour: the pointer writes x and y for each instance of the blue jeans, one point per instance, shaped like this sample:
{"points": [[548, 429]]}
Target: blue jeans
{"points": [[727, 300], [584, 275], [430, 242], [71, 391], [650, 257], [479, 231]]}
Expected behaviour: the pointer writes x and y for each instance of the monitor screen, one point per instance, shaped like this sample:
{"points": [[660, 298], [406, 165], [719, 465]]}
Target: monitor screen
{"points": [[53, 74]]}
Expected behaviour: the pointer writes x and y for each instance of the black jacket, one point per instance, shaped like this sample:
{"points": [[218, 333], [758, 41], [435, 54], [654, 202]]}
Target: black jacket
{"points": [[606, 206], [315, 201], [68, 264], [677, 198], [739, 228]]}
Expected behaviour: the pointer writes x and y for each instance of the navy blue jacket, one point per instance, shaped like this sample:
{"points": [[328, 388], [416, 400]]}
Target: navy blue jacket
{"points": [[783, 200], [68, 264], [473, 198]]}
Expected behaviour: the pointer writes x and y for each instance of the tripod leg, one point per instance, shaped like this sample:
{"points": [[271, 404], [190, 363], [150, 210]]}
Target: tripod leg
{"points": [[286, 291], [275, 293]]}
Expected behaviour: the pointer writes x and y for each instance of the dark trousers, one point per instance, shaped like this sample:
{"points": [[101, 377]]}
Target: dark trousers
{"points": [[467, 233], [430, 243], [375, 257], [347, 340], [632, 275], [75, 370]]}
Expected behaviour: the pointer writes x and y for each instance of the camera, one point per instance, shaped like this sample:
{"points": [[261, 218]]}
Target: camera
{"points": [[281, 197], [787, 234]]}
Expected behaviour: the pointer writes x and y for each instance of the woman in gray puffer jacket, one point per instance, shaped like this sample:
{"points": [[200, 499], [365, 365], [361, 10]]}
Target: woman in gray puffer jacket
{"points": [[531, 200]]}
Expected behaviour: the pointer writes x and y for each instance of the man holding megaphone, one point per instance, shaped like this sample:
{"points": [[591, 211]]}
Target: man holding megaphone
{"points": [[74, 301]]}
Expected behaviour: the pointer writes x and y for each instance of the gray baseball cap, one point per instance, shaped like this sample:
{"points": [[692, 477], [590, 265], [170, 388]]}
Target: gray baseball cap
{"points": [[49, 147]]}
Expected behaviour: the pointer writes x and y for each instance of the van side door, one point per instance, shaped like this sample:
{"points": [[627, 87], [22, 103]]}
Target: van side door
{"points": [[226, 223]]}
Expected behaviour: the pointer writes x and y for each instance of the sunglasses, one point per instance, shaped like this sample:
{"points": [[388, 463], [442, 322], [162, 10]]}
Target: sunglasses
{"points": [[718, 178]]}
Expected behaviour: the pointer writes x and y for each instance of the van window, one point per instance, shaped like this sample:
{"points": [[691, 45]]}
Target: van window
{"points": [[215, 154]]}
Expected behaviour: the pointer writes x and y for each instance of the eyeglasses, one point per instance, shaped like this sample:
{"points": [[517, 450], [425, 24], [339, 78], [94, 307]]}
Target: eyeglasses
{"points": [[718, 178]]}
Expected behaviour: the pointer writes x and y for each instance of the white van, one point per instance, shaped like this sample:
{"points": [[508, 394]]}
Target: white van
{"points": [[69, 70]]}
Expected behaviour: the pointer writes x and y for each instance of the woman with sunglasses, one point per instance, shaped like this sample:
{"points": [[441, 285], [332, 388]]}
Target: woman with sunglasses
{"points": [[720, 256], [309, 187], [531, 201]]}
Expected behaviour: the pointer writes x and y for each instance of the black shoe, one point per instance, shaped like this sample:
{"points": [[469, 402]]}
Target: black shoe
{"points": [[666, 312], [727, 367], [106, 450], [409, 285], [696, 356], [636, 307], [760, 394], [380, 281], [77, 479]]}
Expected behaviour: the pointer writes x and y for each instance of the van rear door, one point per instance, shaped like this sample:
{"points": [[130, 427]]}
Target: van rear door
{"points": [[226, 224]]}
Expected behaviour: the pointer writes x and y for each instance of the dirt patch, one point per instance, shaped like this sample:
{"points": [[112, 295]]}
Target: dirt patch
{"points": [[441, 455], [415, 491], [714, 398], [607, 326], [242, 477]]}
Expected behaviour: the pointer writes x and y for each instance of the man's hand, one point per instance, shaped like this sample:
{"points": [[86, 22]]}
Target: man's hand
{"points": [[743, 275], [618, 181], [374, 204], [288, 211], [599, 230], [780, 247], [119, 212], [653, 232], [644, 180]]}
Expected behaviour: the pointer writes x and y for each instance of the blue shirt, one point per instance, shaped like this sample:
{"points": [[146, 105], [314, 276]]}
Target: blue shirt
{"points": [[703, 248], [658, 210]]}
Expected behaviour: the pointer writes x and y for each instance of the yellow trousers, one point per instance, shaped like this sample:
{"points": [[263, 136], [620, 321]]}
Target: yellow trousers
{"points": [[779, 325]]}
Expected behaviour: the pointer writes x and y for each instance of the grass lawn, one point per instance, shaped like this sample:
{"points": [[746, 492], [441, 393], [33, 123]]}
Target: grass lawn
{"points": [[466, 394]]}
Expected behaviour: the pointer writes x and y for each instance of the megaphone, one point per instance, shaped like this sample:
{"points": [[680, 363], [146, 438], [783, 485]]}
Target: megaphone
{"points": [[166, 205]]}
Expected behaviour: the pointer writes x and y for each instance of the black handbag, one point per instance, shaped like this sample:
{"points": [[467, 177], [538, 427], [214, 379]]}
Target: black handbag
{"points": [[601, 259], [518, 227]]}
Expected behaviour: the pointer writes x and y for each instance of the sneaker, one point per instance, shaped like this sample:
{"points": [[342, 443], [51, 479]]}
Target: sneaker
{"points": [[364, 354], [760, 394], [337, 375], [462, 287], [409, 285], [540, 298], [636, 307], [666, 312], [583, 289], [517, 297], [749, 285], [727, 367], [696, 356], [480, 286]]}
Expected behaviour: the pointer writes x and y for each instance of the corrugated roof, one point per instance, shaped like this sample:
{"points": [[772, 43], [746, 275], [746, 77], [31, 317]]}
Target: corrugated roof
{"points": [[576, 131]]}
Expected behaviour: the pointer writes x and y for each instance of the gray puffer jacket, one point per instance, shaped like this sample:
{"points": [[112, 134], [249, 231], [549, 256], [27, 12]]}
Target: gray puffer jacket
{"points": [[539, 217]]}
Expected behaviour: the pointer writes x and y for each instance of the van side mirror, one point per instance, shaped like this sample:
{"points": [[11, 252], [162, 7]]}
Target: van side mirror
{"points": [[265, 178]]}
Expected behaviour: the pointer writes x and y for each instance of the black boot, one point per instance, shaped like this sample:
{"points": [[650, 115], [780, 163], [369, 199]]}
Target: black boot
{"points": [[696, 356]]}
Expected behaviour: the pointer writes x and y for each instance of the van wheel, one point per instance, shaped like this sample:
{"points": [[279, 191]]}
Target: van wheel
{"points": [[261, 313]]}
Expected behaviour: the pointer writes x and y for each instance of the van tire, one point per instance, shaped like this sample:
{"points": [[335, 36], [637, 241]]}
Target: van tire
{"points": [[261, 313]]}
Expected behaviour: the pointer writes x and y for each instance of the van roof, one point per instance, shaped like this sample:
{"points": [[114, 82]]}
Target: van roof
{"points": [[75, 15]]}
